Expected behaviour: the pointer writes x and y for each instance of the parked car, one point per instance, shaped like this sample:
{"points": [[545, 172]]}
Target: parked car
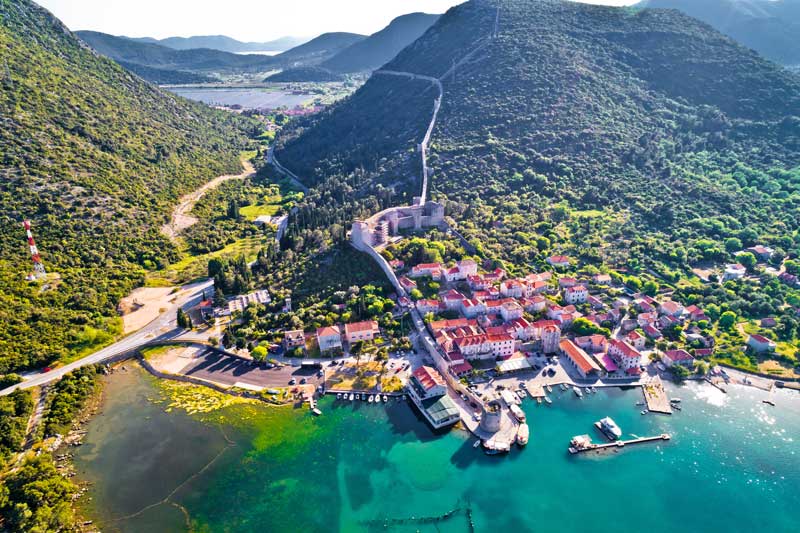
{"points": [[292, 381], [303, 381]]}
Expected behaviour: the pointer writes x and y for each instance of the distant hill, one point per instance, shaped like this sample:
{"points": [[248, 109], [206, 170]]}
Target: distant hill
{"points": [[223, 43], [627, 138], [317, 50], [379, 48], [96, 158], [770, 27], [161, 57], [162, 76], [305, 74]]}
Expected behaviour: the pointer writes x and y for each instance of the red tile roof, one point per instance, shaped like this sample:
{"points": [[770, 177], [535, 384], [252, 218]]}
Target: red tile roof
{"points": [[358, 327], [428, 377], [578, 356]]}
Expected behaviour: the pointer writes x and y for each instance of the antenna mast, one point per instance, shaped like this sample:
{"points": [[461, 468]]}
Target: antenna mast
{"points": [[38, 267]]}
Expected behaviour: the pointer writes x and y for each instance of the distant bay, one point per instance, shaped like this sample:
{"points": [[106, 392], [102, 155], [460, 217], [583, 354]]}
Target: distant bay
{"points": [[248, 98], [732, 465]]}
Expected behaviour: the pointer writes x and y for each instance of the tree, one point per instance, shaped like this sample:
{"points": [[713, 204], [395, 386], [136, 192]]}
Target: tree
{"points": [[219, 298], [233, 209], [183, 320], [582, 326], [727, 320], [650, 288], [259, 353], [732, 244], [415, 294], [747, 260], [679, 372]]}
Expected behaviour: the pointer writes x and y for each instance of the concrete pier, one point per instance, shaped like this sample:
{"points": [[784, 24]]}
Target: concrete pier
{"points": [[619, 443], [656, 397]]}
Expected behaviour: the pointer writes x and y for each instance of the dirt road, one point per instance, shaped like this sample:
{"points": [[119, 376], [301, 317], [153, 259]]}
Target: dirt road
{"points": [[181, 219]]}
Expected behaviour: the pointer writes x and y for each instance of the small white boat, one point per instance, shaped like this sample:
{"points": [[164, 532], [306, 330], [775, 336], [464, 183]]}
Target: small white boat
{"points": [[358, 396], [539, 400], [385, 398], [644, 412], [523, 433], [518, 413], [547, 400], [549, 388], [316, 411], [477, 443], [563, 386], [587, 390], [577, 392], [338, 395], [352, 397], [675, 400], [371, 399]]}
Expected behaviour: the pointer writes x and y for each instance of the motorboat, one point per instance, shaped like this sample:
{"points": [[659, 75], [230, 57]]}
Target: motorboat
{"points": [[352, 397], [371, 398], [768, 402], [609, 428], [518, 413], [548, 401], [338, 395], [549, 388], [385, 398], [316, 411], [578, 392], [675, 400], [522, 434]]}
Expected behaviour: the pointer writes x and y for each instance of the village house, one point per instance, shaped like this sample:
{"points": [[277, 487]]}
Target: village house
{"points": [[595, 302], [452, 300], [625, 355], [652, 332], [473, 346], [734, 271], [512, 288], [578, 359], [467, 268], [567, 282], [601, 279], [677, 357], [645, 319], [523, 330], [670, 308], [534, 304], [329, 338], [501, 345], [478, 283], [759, 343], [472, 308], [535, 287], [636, 339], [451, 324], [561, 261], [576, 295], [434, 270], [695, 314], [592, 343], [397, 264], [511, 310], [495, 276], [407, 284], [428, 306], [361, 331], [294, 339], [762, 253], [457, 364]]}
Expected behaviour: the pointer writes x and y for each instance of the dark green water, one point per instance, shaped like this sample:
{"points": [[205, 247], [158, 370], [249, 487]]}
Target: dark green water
{"points": [[732, 465]]}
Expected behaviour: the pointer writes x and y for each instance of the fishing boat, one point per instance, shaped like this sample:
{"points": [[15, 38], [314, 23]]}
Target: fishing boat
{"points": [[518, 413], [548, 401], [563, 386], [644, 412], [522, 434], [675, 400], [338, 395], [549, 388], [676, 406], [371, 398], [587, 390], [577, 392], [609, 428], [352, 397], [495, 448], [358, 396], [385, 398], [640, 403], [539, 400]]}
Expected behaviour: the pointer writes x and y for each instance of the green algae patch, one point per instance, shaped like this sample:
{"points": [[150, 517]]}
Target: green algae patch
{"points": [[194, 399]]}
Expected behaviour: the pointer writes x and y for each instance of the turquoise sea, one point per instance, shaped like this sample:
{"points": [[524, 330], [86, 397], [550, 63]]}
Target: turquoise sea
{"points": [[732, 465]]}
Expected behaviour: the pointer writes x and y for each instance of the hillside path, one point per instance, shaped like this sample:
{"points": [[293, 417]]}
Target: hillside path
{"points": [[181, 219]]}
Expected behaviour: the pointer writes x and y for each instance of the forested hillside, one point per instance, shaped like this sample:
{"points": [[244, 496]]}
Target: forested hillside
{"points": [[655, 136], [95, 157], [770, 27]]}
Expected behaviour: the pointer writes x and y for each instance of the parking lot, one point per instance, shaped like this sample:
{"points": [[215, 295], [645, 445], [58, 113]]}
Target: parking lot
{"points": [[212, 366]]}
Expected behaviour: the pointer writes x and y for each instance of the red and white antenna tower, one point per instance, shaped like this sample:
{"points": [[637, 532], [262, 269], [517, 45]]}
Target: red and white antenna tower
{"points": [[38, 267]]}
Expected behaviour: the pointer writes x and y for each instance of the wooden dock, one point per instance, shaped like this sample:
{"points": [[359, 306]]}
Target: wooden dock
{"points": [[656, 397], [618, 444]]}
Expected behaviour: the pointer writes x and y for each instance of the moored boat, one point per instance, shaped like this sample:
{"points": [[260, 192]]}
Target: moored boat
{"points": [[548, 401], [371, 398], [385, 398], [338, 395], [577, 392], [768, 402], [522, 434], [316, 411], [549, 388], [518, 413], [352, 397], [579, 443], [609, 428]]}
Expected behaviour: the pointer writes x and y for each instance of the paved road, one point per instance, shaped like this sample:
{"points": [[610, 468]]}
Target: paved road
{"points": [[161, 329]]}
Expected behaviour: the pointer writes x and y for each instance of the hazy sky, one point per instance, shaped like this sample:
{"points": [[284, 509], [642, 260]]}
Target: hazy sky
{"points": [[248, 20]]}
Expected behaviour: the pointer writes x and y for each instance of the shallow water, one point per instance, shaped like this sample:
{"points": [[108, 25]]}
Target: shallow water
{"points": [[731, 465], [247, 98]]}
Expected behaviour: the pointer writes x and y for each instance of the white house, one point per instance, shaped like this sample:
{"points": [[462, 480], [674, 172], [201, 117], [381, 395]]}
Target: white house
{"points": [[624, 354], [760, 343], [329, 338], [677, 357], [576, 295]]}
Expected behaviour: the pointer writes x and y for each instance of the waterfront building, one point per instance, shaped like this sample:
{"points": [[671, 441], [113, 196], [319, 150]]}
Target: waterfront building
{"points": [[677, 357], [578, 359], [624, 354], [428, 391]]}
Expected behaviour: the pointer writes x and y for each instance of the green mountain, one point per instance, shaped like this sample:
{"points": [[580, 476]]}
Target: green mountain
{"points": [[379, 48], [156, 56], [635, 138], [223, 43], [770, 27], [96, 158]]}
